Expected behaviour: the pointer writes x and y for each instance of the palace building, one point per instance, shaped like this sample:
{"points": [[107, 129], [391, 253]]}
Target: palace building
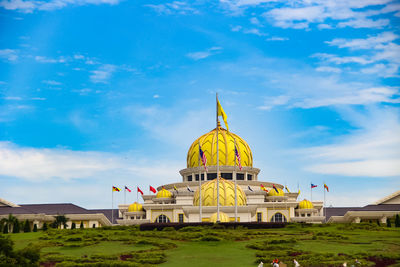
{"points": [[240, 193]]}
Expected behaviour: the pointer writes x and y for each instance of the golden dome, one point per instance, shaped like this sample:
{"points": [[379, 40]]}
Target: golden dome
{"points": [[306, 204], [223, 217], [272, 192], [226, 146], [135, 207], [164, 193], [226, 194]]}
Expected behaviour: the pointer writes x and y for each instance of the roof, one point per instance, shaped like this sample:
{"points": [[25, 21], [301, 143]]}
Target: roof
{"points": [[108, 213], [49, 209], [387, 198], [328, 212]]}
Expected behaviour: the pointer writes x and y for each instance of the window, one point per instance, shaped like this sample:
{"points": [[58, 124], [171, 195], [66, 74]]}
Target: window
{"points": [[211, 176], [162, 219], [189, 178], [94, 225], [227, 176], [259, 217], [249, 177], [202, 177], [240, 176], [180, 217], [278, 217]]}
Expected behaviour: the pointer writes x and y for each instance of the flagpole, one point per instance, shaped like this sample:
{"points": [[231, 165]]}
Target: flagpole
{"points": [[323, 206], [235, 173], [125, 195], [311, 191], [112, 205], [200, 204], [137, 194], [217, 160]]}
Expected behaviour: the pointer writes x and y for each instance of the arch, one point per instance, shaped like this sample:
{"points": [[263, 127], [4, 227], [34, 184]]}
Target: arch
{"points": [[162, 219], [278, 217]]}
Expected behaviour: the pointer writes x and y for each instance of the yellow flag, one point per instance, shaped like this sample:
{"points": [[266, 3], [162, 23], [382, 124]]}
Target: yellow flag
{"points": [[221, 112], [287, 189]]}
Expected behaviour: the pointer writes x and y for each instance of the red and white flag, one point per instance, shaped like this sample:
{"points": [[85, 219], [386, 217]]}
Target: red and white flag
{"points": [[152, 189], [140, 191], [127, 189]]}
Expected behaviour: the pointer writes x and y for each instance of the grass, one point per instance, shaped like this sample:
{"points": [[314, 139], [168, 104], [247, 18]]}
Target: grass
{"points": [[311, 245]]}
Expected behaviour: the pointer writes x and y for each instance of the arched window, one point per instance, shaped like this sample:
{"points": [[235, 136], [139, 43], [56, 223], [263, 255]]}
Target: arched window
{"points": [[162, 219], [278, 217]]}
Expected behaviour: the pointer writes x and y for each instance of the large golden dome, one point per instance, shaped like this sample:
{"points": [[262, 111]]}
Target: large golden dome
{"points": [[135, 207], [306, 204], [164, 193], [272, 192], [226, 194], [226, 146]]}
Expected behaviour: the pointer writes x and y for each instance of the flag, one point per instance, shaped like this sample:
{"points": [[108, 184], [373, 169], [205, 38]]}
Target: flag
{"points": [[203, 158], [152, 189], [221, 112], [326, 187], [238, 158], [263, 188], [287, 189], [127, 189], [298, 193], [313, 185], [140, 191], [115, 189], [176, 189], [190, 190], [250, 188], [276, 189]]}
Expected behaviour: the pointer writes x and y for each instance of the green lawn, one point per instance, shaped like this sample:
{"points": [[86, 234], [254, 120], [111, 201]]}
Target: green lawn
{"points": [[316, 245]]}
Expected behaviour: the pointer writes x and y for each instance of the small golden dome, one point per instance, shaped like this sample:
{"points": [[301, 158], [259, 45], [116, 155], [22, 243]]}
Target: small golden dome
{"points": [[164, 193], [226, 194], [272, 192], [226, 146], [306, 204], [135, 207], [223, 217]]}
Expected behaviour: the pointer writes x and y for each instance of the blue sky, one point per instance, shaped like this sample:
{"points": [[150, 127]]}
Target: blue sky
{"points": [[95, 93]]}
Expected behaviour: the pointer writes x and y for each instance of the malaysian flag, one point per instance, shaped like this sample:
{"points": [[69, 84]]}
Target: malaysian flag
{"points": [[238, 158], [203, 158]]}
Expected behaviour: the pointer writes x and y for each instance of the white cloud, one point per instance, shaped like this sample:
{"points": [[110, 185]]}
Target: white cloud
{"points": [[373, 150], [51, 82], [204, 54], [175, 7], [42, 59], [9, 54], [371, 42], [18, 98], [328, 69], [102, 74], [277, 38], [253, 31], [43, 164], [343, 59], [29, 6], [364, 23]]}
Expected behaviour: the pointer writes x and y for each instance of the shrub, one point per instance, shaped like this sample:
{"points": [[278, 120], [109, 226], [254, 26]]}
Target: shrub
{"points": [[81, 226], [27, 227], [169, 229], [44, 228], [397, 221], [388, 223], [5, 229], [210, 238], [73, 226], [16, 227], [35, 227]]}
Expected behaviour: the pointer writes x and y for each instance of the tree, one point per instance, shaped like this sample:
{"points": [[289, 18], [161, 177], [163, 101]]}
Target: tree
{"points": [[35, 227], [388, 223], [44, 227], [378, 223], [27, 227], [73, 225], [60, 220], [8, 223], [397, 221], [16, 226], [81, 226]]}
